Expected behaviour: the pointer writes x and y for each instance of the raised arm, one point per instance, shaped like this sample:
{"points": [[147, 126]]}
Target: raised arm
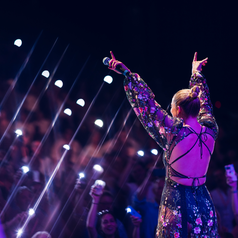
{"points": [[205, 116], [155, 120], [92, 214]]}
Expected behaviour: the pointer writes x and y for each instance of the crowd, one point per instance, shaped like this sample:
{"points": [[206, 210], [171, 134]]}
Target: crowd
{"points": [[70, 206]]}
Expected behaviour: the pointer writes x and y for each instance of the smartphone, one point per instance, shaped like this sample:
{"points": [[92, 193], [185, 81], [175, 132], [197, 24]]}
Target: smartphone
{"points": [[132, 211], [99, 186], [230, 171]]}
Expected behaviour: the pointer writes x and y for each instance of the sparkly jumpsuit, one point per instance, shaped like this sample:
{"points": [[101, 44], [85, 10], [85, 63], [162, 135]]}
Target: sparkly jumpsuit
{"points": [[185, 211]]}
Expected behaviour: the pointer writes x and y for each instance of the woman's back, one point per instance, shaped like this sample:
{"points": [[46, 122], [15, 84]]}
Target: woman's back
{"points": [[191, 155]]}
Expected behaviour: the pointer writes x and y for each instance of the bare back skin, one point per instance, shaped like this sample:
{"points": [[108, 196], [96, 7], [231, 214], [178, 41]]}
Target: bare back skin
{"points": [[191, 164]]}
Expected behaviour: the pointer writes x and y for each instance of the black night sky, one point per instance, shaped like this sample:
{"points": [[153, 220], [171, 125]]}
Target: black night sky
{"points": [[156, 39]]}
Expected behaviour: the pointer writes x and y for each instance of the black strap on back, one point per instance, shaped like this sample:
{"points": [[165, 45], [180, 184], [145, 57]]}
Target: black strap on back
{"points": [[200, 144]]}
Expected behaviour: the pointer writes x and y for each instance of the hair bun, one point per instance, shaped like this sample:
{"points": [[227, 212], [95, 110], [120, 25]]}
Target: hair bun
{"points": [[194, 92]]}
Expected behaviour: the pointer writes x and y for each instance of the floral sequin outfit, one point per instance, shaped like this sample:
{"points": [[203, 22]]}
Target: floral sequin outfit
{"points": [[185, 211]]}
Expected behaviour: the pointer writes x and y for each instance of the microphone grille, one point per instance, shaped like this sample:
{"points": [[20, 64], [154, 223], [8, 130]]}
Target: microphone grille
{"points": [[106, 61]]}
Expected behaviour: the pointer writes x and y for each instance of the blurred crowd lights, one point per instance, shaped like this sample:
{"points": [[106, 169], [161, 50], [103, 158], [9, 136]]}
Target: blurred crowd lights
{"points": [[98, 168], [99, 123], [68, 111], [59, 83], [141, 153], [218, 104], [31, 212], [154, 152], [100, 183], [46, 73], [66, 146], [18, 42], [19, 232], [18, 132], [81, 175], [128, 210], [25, 169], [108, 79], [80, 102]]}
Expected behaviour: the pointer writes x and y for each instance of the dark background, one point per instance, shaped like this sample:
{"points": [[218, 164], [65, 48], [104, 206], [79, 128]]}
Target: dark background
{"points": [[156, 39]]}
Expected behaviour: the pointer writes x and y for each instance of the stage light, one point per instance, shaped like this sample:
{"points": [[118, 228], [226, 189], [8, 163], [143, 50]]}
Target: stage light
{"points": [[18, 132], [108, 79], [99, 122], [140, 152], [31, 212], [19, 232], [68, 112], [67, 147], [46, 73], [18, 42], [59, 83], [81, 175], [98, 168], [154, 151], [80, 102], [25, 169]]}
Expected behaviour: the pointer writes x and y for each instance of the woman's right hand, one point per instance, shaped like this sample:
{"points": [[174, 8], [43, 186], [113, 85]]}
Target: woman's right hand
{"points": [[113, 63]]}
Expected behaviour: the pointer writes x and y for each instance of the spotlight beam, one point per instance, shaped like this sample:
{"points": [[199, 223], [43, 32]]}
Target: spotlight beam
{"points": [[46, 136], [91, 158], [40, 96], [19, 72], [85, 115], [86, 189], [23, 100], [96, 151]]}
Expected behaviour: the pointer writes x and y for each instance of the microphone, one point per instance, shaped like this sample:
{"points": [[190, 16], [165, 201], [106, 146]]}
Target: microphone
{"points": [[119, 69]]}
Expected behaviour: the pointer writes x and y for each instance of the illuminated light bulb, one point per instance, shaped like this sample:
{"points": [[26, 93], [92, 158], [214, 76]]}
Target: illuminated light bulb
{"points": [[59, 83], [18, 42], [128, 210], [154, 151], [108, 79], [25, 169], [99, 122], [31, 212], [68, 112], [19, 232], [45, 73], [80, 102], [67, 147], [18, 132], [98, 168], [140, 152], [81, 175]]}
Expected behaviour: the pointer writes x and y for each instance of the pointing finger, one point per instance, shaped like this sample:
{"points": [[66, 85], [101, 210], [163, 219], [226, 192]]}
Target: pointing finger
{"points": [[195, 56], [112, 55]]}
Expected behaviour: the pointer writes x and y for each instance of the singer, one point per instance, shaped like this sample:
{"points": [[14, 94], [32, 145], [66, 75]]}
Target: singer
{"points": [[187, 138]]}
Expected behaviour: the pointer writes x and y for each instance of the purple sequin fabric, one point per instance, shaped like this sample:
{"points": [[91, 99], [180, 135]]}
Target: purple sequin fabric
{"points": [[194, 202]]}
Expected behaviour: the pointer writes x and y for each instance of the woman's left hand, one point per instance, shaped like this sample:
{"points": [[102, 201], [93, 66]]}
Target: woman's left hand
{"points": [[113, 63], [197, 65]]}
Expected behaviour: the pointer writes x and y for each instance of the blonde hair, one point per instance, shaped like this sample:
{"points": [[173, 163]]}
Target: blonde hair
{"points": [[188, 100]]}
